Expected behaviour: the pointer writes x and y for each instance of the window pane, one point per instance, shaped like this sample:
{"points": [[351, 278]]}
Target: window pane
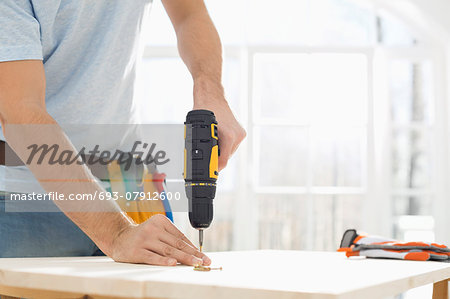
{"points": [[299, 222], [312, 22], [229, 176], [414, 228], [229, 18], [164, 90], [412, 205], [312, 88], [411, 91], [281, 86], [348, 214], [280, 22], [289, 22], [219, 236], [341, 22], [394, 32], [282, 221], [157, 29], [232, 83], [332, 215], [338, 156], [411, 159], [283, 156]]}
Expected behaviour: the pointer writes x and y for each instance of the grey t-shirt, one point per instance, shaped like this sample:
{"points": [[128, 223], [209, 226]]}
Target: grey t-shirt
{"points": [[89, 49]]}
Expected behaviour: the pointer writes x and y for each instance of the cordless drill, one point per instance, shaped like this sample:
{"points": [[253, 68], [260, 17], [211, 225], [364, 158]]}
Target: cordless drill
{"points": [[201, 161]]}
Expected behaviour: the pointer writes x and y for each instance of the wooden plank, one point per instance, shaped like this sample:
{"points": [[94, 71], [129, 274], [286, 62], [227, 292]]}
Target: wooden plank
{"points": [[262, 274], [8, 292], [440, 289]]}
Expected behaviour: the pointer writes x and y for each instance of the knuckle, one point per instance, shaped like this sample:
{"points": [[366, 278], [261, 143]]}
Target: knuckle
{"points": [[187, 259], [160, 260], [168, 250], [156, 260], [181, 244], [159, 218], [242, 134]]}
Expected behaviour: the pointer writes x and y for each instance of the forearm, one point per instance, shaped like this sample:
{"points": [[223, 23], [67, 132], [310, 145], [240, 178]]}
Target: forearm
{"points": [[201, 50], [31, 124], [25, 122]]}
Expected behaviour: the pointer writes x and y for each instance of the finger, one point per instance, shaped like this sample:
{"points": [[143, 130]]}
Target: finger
{"points": [[168, 226], [169, 251], [152, 258], [235, 147], [172, 229], [180, 244], [225, 153]]}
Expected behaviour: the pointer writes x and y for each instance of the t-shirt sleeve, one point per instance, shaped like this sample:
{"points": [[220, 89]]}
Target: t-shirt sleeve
{"points": [[20, 37]]}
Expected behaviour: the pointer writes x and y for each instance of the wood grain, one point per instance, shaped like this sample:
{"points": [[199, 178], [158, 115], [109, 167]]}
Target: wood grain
{"points": [[440, 289], [8, 292], [252, 274]]}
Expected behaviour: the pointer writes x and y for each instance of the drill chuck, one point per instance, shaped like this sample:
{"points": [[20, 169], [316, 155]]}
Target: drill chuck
{"points": [[201, 155]]}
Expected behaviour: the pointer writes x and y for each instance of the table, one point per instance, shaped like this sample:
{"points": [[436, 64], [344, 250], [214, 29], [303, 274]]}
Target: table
{"points": [[246, 274]]}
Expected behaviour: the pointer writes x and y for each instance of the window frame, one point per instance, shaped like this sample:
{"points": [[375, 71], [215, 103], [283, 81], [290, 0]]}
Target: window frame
{"points": [[377, 191]]}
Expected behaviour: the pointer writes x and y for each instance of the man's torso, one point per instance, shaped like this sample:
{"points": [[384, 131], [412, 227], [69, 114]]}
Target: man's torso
{"points": [[89, 51]]}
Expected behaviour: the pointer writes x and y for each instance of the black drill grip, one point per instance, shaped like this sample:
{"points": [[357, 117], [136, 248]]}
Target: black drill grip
{"points": [[201, 165]]}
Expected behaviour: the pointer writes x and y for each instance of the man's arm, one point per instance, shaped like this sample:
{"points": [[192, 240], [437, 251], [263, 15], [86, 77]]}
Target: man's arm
{"points": [[201, 50], [25, 121], [24, 118]]}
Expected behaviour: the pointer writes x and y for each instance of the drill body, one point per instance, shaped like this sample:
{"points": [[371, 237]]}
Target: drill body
{"points": [[201, 159]]}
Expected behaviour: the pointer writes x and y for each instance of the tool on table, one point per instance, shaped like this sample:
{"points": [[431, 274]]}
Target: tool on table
{"points": [[354, 244], [206, 269], [201, 167]]}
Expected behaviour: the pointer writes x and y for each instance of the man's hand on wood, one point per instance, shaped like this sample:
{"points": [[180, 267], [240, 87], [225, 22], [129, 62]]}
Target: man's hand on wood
{"points": [[157, 242]]}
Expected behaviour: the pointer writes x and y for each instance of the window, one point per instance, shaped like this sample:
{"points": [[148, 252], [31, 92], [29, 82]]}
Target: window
{"points": [[340, 104], [413, 157]]}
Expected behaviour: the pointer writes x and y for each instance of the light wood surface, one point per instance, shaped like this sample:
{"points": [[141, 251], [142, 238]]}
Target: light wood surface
{"points": [[440, 289], [246, 274]]}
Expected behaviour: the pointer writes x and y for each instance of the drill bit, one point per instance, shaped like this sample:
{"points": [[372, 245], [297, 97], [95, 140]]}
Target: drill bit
{"points": [[200, 239]]}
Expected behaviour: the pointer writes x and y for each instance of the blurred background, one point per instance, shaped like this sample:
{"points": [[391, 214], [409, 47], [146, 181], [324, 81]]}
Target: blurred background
{"points": [[345, 105]]}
